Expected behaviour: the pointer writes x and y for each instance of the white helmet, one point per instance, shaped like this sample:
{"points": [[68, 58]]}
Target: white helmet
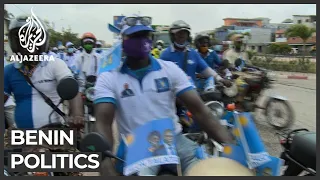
{"points": [[160, 42]]}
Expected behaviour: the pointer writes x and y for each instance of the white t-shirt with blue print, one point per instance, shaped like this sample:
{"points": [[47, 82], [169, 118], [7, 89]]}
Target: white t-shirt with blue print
{"points": [[138, 101], [31, 109]]}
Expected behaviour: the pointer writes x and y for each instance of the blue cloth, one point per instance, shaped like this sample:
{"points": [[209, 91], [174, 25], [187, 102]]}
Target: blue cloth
{"points": [[212, 59], [195, 63]]}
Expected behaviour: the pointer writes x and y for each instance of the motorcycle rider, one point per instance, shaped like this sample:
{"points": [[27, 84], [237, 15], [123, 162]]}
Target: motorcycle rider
{"points": [[158, 49], [70, 56], [99, 47], [202, 42], [87, 62], [185, 57], [111, 98], [61, 52], [53, 52], [31, 109]]}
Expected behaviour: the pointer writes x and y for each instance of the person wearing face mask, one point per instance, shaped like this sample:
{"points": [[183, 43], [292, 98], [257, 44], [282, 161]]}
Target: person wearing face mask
{"points": [[61, 52], [202, 42], [99, 47], [185, 57], [149, 86], [158, 49], [70, 56], [87, 62]]}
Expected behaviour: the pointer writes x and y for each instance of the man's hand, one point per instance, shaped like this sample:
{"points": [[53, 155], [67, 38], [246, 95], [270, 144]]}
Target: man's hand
{"points": [[226, 82], [204, 117], [76, 121]]}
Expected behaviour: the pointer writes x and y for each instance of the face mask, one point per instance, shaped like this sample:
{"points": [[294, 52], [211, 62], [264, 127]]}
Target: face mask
{"points": [[181, 45], [88, 47], [159, 47], [70, 50], [204, 49], [137, 47]]}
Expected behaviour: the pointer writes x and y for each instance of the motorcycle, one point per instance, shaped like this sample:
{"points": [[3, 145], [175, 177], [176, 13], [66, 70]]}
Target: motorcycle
{"points": [[88, 97], [67, 89], [259, 80], [299, 152]]}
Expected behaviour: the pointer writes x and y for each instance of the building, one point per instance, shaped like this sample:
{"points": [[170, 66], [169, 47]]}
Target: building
{"points": [[280, 36], [243, 22], [308, 20], [296, 42]]}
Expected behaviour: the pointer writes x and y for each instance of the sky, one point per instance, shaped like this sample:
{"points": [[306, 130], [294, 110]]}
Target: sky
{"points": [[95, 17]]}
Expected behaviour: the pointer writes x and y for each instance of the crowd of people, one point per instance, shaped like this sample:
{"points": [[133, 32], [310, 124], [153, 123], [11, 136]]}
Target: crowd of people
{"points": [[160, 81]]}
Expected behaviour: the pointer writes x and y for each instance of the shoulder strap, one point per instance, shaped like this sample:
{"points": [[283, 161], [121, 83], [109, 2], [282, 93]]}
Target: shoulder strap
{"points": [[46, 99]]}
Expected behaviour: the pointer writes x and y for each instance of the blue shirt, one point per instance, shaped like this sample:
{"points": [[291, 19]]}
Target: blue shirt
{"points": [[212, 59], [195, 64]]}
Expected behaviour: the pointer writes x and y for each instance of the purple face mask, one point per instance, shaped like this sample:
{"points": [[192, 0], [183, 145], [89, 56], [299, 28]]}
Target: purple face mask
{"points": [[137, 47]]}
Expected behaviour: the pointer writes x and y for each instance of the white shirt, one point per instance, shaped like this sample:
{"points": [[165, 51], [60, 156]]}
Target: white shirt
{"points": [[31, 110], [70, 60], [138, 103], [231, 55], [86, 65]]}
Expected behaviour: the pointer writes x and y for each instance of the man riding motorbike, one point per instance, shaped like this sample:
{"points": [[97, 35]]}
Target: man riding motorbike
{"points": [[70, 56], [61, 52], [88, 61], [185, 57], [133, 88], [158, 49], [202, 42], [190, 61], [32, 111], [99, 47]]}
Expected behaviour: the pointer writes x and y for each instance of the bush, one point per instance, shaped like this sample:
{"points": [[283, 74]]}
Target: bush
{"points": [[279, 49], [303, 66]]}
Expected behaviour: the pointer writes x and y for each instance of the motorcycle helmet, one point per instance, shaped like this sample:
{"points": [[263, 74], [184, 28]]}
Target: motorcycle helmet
{"points": [[160, 42], [177, 26], [199, 37], [14, 39], [87, 37]]}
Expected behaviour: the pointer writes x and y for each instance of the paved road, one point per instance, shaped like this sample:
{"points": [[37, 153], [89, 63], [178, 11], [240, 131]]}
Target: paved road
{"points": [[302, 96]]}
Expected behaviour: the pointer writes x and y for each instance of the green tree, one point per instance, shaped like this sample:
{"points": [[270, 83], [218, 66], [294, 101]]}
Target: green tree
{"points": [[279, 49], [302, 31], [64, 36]]}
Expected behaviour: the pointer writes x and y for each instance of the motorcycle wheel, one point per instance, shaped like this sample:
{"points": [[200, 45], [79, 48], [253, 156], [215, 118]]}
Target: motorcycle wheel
{"points": [[290, 115]]}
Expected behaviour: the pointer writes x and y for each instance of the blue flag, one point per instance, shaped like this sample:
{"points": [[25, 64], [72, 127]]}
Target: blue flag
{"points": [[111, 58]]}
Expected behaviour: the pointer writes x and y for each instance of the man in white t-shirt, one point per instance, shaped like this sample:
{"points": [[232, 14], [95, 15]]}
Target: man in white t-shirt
{"points": [[144, 89]]}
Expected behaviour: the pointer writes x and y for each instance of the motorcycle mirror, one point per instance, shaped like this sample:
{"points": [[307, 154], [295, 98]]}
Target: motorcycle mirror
{"points": [[68, 88], [91, 79], [94, 142]]}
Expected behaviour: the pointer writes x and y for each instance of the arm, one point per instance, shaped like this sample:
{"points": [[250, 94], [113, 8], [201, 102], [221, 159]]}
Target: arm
{"points": [[205, 70], [216, 58], [184, 91], [105, 107], [80, 75]]}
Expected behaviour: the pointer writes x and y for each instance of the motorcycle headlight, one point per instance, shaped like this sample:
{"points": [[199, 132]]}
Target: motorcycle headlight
{"points": [[90, 93], [217, 108]]}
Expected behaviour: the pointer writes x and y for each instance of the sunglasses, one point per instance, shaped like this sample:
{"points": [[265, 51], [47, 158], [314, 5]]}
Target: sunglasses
{"points": [[132, 21]]}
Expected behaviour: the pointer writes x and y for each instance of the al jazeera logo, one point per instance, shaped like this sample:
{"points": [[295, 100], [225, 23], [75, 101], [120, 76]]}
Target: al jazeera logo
{"points": [[32, 36]]}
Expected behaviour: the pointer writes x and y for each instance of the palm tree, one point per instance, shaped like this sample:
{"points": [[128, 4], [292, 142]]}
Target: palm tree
{"points": [[302, 31]]}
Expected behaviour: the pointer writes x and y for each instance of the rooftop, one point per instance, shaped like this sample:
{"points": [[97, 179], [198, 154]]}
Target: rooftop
{"points": [[297, 40], [305, 15], [256, 19]]}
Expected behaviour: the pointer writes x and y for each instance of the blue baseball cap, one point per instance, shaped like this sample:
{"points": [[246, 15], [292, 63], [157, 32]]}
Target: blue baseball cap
{"points": [[127, 30]]}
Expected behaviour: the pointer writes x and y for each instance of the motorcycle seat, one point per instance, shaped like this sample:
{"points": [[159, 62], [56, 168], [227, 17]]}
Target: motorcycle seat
{"points": [[303, 149]]}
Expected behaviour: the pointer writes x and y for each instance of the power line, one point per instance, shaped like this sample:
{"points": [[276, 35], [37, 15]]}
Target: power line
{"points": [[19, 8]]}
